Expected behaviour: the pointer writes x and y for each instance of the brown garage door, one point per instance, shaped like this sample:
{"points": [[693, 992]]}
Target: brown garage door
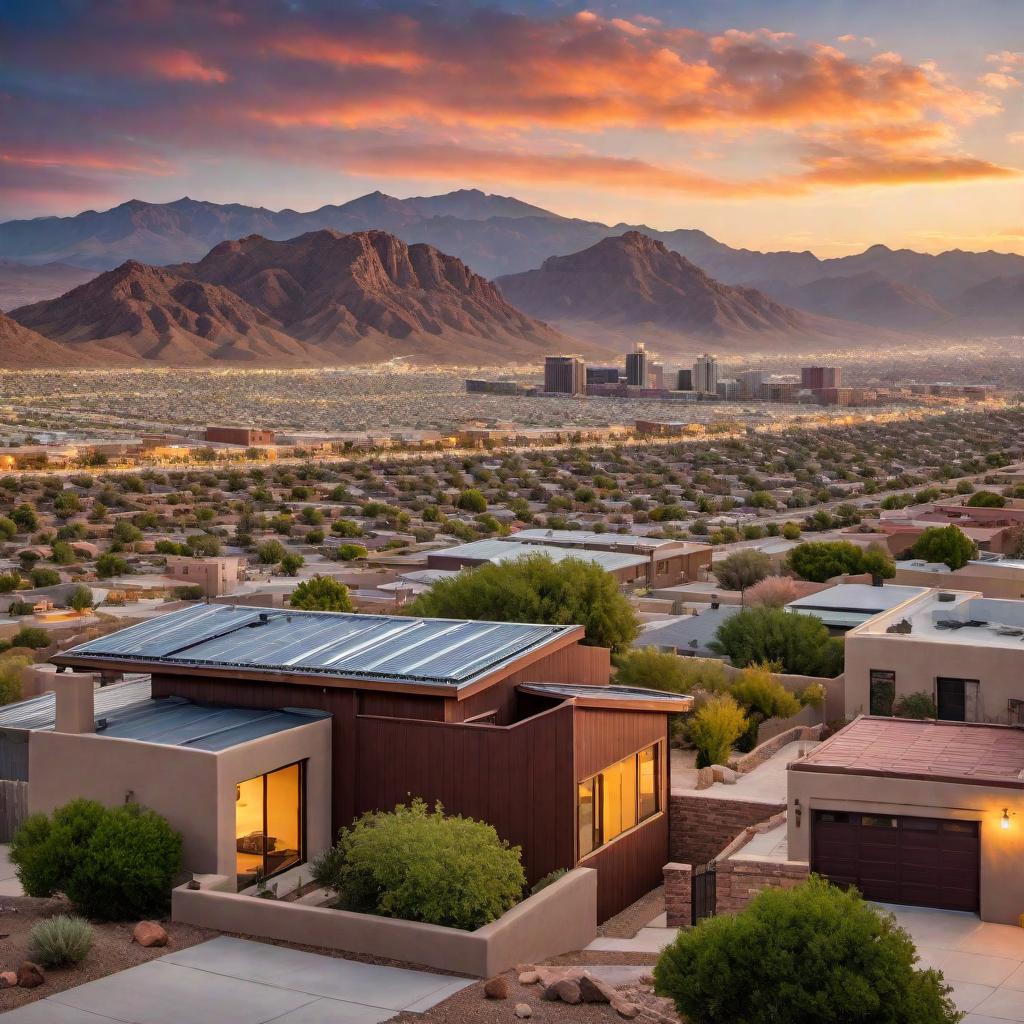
{"points": [[929, 862]]}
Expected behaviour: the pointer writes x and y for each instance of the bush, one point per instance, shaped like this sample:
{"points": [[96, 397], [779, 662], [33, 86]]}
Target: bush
{"points": [[60, 941], [321, 593], [115, 863], [742, 569], [714, 728], [761, 696], [796, 643], [109, 564], [774, 591], [31, 636], [804, 956], [915, 705], [552, 876], [271, 552], [819, 561], [349, 552], [986, 499], [532, 588], [422, 865], [947, 544], [291, 564]]}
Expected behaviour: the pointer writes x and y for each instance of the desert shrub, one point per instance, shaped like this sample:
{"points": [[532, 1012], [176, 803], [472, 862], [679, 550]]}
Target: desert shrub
{"points": [[986, 499], [915, 705], [947, 544], [60, 941], [761, 696], [115, 863], [11, 669], [805, 955], [270, 552], [714, 728], [348, 552], [420, 864], [661, 670], [321, 593], [552, 876], [799, 644], [31, 636], [774, 591], [742, 569]]}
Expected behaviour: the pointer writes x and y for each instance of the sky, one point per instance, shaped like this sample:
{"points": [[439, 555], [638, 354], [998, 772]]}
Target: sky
{"points": [[828, 125]]}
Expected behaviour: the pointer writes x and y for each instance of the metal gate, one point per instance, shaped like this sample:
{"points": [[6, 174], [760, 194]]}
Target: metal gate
{"points": [[703, 889]]}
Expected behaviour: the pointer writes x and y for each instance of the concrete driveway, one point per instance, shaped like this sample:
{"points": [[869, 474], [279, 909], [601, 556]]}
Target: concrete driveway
{"points": [[9, 884], [984, 963], [235, 981]]}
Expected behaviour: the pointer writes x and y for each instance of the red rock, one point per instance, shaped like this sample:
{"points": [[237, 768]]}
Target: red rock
{"points": [[594, 990], [29, 975], [567, 990], [8, 979], [625, 1009], [149, 933], [496, 987]]}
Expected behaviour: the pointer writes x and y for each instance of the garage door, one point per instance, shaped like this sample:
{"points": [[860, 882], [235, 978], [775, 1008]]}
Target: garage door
{"points": [[929, 862]]}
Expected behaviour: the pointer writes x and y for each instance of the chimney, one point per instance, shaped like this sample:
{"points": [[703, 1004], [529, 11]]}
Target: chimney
{"points": [[75, 711]]}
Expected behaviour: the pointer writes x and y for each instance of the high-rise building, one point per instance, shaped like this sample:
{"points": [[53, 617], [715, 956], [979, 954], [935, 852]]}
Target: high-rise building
{"points": [[684, 380], [656, 376], [728, 389], [636, 366], [705, 375], [817, 378], [603, 374], [750, 382], [565, 375]]}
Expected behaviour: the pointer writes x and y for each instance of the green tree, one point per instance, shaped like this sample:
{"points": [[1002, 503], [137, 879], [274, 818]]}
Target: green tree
{"points": [[947, 544], [471, 500], [742, 569], [291, 564], [714, 728], [533, 588], [807, 955], [323, 594], [271, 552], [110, 564], [799, 644], [81, 598], [986, 499], [819, 561]]}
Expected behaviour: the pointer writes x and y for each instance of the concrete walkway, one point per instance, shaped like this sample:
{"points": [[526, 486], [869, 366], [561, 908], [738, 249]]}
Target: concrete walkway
{"points": [[766, 784], [235, 981], [9, 884]]}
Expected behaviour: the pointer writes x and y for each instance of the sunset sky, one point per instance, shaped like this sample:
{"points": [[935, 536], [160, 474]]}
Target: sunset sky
{"points": [[821, 124]]}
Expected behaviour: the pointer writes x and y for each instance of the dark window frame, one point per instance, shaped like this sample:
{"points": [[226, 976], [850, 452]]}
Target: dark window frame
{"points": [[303, 845]]}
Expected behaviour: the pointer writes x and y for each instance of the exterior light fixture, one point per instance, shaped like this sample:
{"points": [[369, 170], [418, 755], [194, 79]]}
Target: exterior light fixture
{"points": [[798, 811], [1005, 822]]}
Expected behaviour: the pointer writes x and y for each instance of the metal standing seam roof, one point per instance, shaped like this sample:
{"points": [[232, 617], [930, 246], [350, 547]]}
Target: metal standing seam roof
{"points": [[40, 712], [504, 550], [611, 693], [581, 537], [174, 721], [450, 652]]}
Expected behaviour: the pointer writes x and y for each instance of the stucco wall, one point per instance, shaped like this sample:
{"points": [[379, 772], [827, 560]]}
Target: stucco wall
{"points": [[917, 663], [1002, 850]]}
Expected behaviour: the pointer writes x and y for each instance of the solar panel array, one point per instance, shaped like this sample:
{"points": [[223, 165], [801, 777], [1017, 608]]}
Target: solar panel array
{"points": [[322, 643]]}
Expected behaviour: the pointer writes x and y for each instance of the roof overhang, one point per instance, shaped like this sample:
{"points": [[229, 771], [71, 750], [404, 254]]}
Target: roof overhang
{"points": [[612, 698]]}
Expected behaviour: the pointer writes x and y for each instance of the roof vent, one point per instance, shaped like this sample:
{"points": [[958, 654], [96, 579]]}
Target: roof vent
{"points": [[945, 597]]}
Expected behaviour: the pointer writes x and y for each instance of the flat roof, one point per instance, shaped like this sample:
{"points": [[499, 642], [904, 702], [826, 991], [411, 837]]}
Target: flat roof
{"points": [[176, 722], [384, 648], [504, 550], [945, 751], [580, 537], [856, 597], [634, 698], [40, 713]]}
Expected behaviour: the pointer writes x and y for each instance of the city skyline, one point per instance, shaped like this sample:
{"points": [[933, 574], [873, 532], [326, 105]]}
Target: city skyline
{"points": [[768, 125]]}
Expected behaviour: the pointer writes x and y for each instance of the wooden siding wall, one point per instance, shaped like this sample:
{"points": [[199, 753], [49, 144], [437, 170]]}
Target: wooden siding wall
{"points": [[630, 867], [604, 737], [519, 779]]}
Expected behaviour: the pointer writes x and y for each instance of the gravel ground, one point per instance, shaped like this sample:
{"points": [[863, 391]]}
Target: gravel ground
{"points": [[626, 923], [112, 950]]}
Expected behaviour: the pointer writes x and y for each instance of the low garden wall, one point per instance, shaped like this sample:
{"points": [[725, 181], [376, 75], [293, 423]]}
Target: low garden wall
{"points": [[700, 827], [738, 878], [561, 918], [761, 753]]}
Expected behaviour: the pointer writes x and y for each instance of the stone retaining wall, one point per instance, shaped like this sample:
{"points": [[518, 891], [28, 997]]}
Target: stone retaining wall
{"points": [[700, 827], [748, 762]]}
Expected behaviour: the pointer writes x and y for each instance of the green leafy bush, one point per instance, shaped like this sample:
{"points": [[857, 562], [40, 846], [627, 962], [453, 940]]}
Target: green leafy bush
{"points": [[552, 876], [714, 729], [661, 670], [761, 696], [60, 941], [947, 544], [321, 593], [31, 636], [115, 863], [915, 705], [798, 644], [423, 865], [805, 955]]}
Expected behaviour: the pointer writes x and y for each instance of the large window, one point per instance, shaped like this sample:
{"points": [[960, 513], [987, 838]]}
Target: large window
{"points": [[269, 824], [883, 692], [617, 799]]}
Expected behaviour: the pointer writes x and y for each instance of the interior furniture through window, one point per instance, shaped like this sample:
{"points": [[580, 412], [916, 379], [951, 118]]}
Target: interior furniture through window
{"points": [[270, 823]]}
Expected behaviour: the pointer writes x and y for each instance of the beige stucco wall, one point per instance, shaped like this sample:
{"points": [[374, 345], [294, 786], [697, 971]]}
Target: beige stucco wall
{"points": [[918, 661], [193, 789], [1002, 851], [987, 580]]}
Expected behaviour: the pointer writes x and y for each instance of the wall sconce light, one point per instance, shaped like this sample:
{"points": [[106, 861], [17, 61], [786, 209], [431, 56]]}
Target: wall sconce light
{"points": [[1005, 822], [797, 811]]}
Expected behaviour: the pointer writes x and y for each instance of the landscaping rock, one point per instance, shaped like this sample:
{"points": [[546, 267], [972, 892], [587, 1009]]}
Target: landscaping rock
{"points": [[496, 987], [523, 1011], [149, 933], [29, 975], [567, 990], [529, 978], [8, 979], [724, 774], [625, 1010], [594, 990]]}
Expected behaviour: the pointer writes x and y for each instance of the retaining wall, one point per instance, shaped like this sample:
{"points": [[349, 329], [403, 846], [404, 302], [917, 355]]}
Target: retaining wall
{"points": [[700, 827]]}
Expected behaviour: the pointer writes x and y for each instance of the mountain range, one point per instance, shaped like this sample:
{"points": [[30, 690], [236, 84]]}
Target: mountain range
{"points": [[320, 298]]}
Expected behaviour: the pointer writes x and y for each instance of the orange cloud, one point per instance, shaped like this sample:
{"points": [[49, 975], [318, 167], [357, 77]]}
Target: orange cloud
{"points": [[184, 66], [999, 80], [349, 53], [89, 161]]}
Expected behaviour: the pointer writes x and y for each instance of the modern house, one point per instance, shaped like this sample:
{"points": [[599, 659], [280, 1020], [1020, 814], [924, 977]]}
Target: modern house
{"points": [[990, 576], [964, 650], [215, 576], [926, 813], [847, 605], [268, 730]]}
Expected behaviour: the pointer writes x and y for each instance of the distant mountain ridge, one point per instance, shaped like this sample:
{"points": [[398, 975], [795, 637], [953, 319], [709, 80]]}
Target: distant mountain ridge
{"points": [[500, 235], [317, 299]]}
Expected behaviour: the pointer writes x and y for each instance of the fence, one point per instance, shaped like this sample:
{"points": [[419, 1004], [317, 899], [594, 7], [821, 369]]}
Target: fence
{"points": [[13, 807]]}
